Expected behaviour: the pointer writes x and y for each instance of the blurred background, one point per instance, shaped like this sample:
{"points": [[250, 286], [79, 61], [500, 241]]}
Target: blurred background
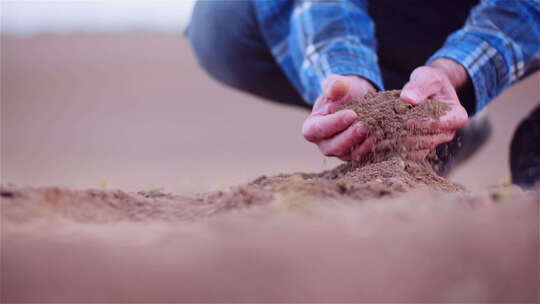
{"points": [[99, 94], [27, 17]]}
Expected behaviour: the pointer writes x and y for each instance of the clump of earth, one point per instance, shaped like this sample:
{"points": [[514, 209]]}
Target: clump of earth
{"points": [[386, 118]]}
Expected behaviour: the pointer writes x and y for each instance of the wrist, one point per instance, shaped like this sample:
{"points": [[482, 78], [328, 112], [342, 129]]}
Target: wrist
{"points": [[456, 73]]}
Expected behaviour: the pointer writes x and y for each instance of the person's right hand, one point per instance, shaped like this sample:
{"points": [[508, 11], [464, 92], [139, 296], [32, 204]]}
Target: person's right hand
{"points": [[336, 133], [439, 80]]}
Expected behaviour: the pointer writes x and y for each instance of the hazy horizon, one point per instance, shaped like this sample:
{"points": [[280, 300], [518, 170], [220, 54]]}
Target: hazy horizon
{"points": [[36, 17]]}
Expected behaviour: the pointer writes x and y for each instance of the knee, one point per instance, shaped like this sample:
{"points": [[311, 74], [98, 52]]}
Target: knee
{"points": [[216, 32], [202, 32]]}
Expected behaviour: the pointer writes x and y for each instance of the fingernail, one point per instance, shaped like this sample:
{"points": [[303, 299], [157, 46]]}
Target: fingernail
{"points": [[410, 97], [338, 90]]}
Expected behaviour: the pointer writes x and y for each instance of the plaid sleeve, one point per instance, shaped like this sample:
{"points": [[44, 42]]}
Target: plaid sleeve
{"points": [[499, 45], [313, 39]]}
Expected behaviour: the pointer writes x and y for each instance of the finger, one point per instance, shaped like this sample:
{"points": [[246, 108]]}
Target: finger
{"points": [[328, 81], [361, 152], [342, 143], [423, 83], [454, 118], [335, 87], [415, 92], [345, 157], [335, 92], [318, 127]]}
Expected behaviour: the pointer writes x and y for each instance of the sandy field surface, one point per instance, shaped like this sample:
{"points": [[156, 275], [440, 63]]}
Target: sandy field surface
{"points": [[110, 246]]}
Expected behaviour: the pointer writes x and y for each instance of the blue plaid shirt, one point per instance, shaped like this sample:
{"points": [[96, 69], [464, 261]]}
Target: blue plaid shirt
{"points": [[498, 45]]}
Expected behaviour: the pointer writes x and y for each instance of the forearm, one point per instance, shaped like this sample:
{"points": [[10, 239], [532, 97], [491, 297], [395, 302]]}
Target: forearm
{"points": [[311, 40], [498, 45], [332, 38]]}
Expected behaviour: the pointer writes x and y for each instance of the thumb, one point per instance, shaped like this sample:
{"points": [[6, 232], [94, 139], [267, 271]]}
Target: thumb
{"points": [[422, 84], [415, 92], [337, 90]]}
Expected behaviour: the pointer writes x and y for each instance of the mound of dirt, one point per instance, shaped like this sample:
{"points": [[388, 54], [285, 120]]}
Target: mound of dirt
{"points": [[429, 249]]}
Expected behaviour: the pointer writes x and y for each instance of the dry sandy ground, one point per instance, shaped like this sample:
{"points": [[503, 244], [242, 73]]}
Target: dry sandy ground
{"points": [[136, 112], [61, 246]]}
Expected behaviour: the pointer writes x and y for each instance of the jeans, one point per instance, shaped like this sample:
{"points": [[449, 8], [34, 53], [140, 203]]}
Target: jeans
{"points": [[227, 42], [228, 45]]}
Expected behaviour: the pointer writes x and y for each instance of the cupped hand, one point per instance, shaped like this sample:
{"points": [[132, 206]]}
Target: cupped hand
{"points": [[338, 133], [437, 81]]}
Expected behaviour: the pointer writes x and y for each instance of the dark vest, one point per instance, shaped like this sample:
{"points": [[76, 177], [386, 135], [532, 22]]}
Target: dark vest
{"points": [[409, 31]]}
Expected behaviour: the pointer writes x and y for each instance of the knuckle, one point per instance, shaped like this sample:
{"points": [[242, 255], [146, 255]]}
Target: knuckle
{"points": [[310, 130], [330, 149], [309, 137], [425, 69], [306, 132], [318, 129], [417, 71], [421, 71], [437, 79]]}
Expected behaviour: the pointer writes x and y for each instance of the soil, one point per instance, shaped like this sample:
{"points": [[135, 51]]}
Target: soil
{"points": [[69, 246], [387, 173], [385, 115]]}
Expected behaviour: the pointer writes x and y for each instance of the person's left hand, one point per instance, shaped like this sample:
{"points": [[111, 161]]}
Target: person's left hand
{"points": [[338, 133], [438, 81]]}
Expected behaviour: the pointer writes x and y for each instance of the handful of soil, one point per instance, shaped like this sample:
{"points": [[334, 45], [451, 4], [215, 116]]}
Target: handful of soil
{"points": [[388, 170], [384, 114]]}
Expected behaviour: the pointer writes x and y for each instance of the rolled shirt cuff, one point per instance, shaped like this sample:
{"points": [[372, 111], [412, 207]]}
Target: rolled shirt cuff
{"points": [[359, 61]]}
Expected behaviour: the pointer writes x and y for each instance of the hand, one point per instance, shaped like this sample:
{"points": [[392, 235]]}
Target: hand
{"points": [[439, 81], [336, 133]]}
